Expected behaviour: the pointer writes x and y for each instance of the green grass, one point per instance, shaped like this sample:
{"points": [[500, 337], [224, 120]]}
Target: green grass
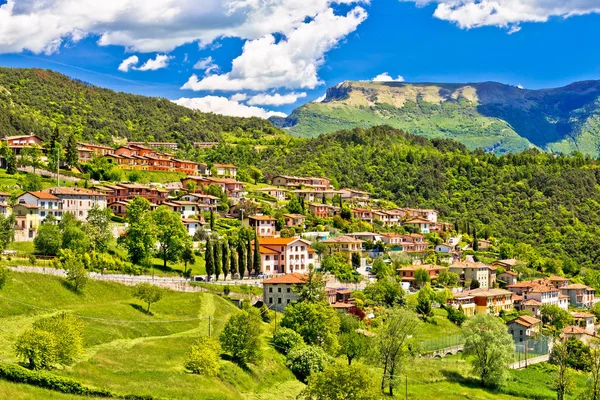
{"points": [[151, 176], [12, 183], [130, 352], [17, 391]]}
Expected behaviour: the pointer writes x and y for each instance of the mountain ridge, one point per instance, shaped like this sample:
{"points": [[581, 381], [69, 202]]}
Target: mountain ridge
{"points": [[489, 115]]}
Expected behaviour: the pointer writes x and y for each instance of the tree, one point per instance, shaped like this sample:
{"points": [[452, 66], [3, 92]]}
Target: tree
{"points": [[594, 368], [31, 183], [212, 220], [317, 323], [447, 278], [233, 262], [48, 239], [353, 345], [172, 236], [475, 241], [563, 379], [72, 153], [11, 162], [285, 339], [381, 269], [421, 277], [72, 263], [255, 174], [209, 259], [490, 347], [241, 259], [340, 382], [424, 304], [294, 206], [147, 293], [68, 333], [306, 360], [355, 260], [73, 236], [218, 259], [203, 358], [398, 327], [474, 284], [249, 258], [187, 257], [141, 231], [241, 337], [7, 230], [385, 292], [257, 263], [225, 256], [37, 348], [54, 156], [313, 290], [98, 229], [32, 156], [556, 317]]}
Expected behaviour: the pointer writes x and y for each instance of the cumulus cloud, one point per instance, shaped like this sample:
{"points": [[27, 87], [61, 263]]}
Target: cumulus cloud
{"points": [[207, 65], [239, 97], [225, 106], [161, 61], [128, 63], [506, 13], [291, 62], [385, 77], [276, 99]]}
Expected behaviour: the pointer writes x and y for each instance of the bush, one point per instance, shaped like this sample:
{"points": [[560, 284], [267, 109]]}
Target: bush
{"points": [[32, 259], [203, 357], [38, 348], [304, 360], [285, 339], [3, 276]]}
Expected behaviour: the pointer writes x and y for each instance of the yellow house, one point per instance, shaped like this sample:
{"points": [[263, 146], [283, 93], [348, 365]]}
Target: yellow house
{"points": [[491, 300], [27, 222]]}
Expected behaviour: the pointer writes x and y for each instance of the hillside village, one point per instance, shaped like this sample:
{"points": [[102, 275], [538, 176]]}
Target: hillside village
{"points": [[278, 234]]}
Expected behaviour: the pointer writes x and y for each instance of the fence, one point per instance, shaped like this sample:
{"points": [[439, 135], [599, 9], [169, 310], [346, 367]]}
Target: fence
{"points": [[443, 342], [533, 347]]}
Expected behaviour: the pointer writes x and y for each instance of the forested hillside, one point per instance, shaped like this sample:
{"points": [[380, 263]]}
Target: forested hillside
{"points": [[490, 115], [35, 100], [547, 201]]}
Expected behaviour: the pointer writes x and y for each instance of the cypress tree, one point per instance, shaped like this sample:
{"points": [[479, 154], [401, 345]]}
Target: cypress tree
{"points": [[241, 259], [225, 256], [249, 263], [212, 220], [208, 257], [257, 262], [11, 163], [475, 241], [218, 259], [72, 154], [233, 265]]}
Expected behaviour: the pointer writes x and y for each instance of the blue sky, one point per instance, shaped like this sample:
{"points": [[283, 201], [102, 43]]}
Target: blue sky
{"points": [[287, 52]]}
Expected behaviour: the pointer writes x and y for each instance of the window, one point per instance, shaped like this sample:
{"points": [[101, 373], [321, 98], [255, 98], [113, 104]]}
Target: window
{"points": [[288, 301], [279, 300], [288, 290], [270, 290], [270, 300], [279, 290]]}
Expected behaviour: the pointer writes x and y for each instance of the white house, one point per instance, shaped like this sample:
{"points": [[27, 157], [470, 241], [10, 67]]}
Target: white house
{"points": [[263, 225], [78, 201], [444, 248], [186, 208], [192, 225], [47, 203], [278, 292], [286, 255]]}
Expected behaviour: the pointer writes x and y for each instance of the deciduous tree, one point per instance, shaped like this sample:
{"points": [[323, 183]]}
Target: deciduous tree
{"points": [[172, 236], [148, 293], [241, 337], [72, 263], [340, 382], [141, 231], [37, 348], [203, 357]]}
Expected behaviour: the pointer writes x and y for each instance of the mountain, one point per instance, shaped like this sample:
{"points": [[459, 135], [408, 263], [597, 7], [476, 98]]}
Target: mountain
{"points": [[488, 115], [35, 100]]}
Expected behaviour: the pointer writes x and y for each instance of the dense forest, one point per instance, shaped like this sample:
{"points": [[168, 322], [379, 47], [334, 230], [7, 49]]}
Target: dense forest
{"points": [[35, 100], [549, 202]]}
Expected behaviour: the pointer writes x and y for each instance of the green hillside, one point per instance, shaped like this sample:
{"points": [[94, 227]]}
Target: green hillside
{"points": [[492, 116], [35, 100]]}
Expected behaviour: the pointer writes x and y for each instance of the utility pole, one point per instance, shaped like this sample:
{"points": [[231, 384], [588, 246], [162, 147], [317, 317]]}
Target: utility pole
{"points": [[406, 380]]}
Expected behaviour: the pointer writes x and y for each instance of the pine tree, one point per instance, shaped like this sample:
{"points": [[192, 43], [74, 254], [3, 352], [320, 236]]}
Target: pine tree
{"points": [[208, 257], [241, 259], [233, 265], [249, 264], [72, 154], [218, 259], [257, 261]]}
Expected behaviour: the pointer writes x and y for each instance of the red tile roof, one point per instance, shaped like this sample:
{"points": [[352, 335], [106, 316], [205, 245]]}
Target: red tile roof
{"points": [[293, 278]]}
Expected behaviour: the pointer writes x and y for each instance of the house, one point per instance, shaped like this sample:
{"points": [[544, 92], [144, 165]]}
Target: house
{"points": [[17, 143], [444, 248], [577, 332], [97, 149], [558, 281], [468, 271], [484, 245], [507, 265], [205, 145], [47, 203], [490, 300], [579, 295], [192, 225], [413, 242], [294, 220], [408, 273], [373, 237], [263, 225], [286, 255], [299, 181], [363, 214], [278, 292], [323, 210], [119, 208], [205, 202], [344, 244], [421, 224], [277, 193], [27, 221], [226, 170], [524, 327], [464, 303], [537, 293], [509, 277], [585, 321], [343, 308], [78, 201], [187, 209], [530, 305]]}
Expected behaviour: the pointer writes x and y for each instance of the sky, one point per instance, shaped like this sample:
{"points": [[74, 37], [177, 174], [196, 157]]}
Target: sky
{"points": [[267, 57]]}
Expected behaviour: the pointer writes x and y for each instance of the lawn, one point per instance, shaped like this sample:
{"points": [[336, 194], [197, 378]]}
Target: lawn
{"points": [[130, 352]]}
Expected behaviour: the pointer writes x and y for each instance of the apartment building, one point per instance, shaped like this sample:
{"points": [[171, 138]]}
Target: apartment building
{"points": [[286, 255], [27, 221], [263, 225], [78, 201], [468, 271], [280, 291], [47, 203]]}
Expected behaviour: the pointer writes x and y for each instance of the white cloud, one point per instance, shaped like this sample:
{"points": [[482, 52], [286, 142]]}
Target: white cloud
{"points": [[320, 98], [520, 86], [239, 97], [161, 61], [128, 63], [207, 65], [292, 62], [506, 13], [225, 106], [385, 77], [264, 99]]}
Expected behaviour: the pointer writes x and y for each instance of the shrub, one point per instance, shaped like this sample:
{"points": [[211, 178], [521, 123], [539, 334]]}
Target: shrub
{"points": [[203, 357], [32, 259], [285, 339], [38, 348], [3, 276], [304, 360]]}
